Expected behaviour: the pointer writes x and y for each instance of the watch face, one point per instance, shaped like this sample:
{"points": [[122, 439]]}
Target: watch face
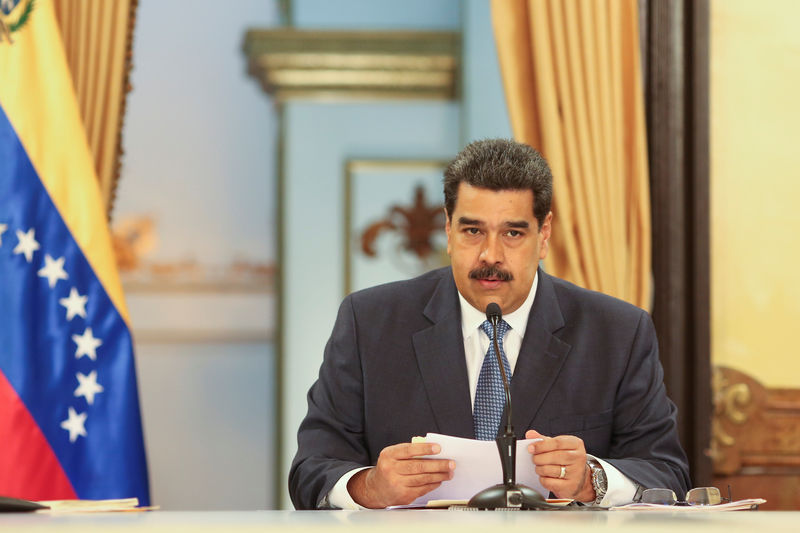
{"points": [[599, 480]]}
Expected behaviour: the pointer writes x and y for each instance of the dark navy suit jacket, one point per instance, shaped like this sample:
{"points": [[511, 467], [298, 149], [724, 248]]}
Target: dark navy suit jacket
{"points": [[394, 367]]}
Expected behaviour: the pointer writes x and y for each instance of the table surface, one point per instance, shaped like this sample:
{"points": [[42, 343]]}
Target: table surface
{"points": [[417, 521]]}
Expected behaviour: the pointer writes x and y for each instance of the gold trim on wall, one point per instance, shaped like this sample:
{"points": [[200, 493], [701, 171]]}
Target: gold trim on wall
{"points": [[197, 287], [164, 336], [347, 65]]}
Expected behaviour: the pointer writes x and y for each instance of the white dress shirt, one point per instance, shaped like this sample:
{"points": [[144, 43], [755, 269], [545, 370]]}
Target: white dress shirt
{"points": [[621, 490]]}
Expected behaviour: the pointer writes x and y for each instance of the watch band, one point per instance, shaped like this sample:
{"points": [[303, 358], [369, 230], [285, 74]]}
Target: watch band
{"points": [[599, 480]]}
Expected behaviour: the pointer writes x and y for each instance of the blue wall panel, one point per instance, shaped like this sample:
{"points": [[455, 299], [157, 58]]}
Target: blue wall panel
{"points": [[319, 139]]}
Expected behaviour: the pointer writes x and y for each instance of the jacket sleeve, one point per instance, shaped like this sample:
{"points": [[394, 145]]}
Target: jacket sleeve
{"points": [[330, 438], [645, 445]]}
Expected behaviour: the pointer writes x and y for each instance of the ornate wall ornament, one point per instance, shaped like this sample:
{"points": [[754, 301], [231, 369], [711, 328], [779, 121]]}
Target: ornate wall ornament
{"points": [[756, 438], [731, 401], [136, 240], [416, 223]]}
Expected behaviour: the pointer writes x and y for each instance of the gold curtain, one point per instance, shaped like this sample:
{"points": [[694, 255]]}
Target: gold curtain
{"points": [[97, 37], [573, 87]]}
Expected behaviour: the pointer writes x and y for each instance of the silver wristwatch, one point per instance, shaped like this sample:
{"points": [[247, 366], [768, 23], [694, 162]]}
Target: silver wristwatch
{"points": [[599, 480]]}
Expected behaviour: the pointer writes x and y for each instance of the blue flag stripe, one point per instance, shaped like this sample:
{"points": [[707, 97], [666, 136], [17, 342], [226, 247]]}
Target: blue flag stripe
{"points": [[38, 353]]}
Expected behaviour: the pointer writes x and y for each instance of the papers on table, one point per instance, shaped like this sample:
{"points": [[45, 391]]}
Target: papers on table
{"points": [[740, 505], [477, 468], [93, 506]]}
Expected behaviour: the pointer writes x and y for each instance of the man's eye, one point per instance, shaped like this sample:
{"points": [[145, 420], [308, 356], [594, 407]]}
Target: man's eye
{"points": [[513, 233], [472, 231]]}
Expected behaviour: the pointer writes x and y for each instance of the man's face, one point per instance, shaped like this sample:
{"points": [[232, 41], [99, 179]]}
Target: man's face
{"points": [[495, 245]]}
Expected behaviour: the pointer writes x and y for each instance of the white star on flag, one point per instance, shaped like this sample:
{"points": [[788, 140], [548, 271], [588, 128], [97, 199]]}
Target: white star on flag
{"points": [[53, 270], [87, 344], [3, 228], [75, 425], [27, 244], [88, 386], [75, 304]]}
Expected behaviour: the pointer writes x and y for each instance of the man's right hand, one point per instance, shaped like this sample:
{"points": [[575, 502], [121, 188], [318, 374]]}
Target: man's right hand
{"points": [[401, 476]]}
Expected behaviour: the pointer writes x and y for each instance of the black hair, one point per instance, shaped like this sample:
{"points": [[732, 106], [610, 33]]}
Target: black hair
{"points": [[500, 164]]}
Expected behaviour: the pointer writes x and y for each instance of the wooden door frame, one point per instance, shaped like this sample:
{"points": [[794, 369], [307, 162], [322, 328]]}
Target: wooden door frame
{"points": [[675, 52]]}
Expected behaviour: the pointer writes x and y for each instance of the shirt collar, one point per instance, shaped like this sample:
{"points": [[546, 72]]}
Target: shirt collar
{"points": [[471, 318]]}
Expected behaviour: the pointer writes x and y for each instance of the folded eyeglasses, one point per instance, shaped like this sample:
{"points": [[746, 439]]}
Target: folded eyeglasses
{"points": [[696, 496]]}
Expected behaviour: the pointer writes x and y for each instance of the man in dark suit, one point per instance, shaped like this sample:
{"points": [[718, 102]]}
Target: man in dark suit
{"points": [[406, 358]]}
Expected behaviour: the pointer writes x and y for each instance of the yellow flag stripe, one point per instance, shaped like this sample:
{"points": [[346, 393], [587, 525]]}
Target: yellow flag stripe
{"points": [[37, 95]]}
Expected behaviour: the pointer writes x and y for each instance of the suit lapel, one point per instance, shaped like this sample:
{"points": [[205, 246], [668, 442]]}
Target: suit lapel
{"points": [[442, 363], [541, 356]]}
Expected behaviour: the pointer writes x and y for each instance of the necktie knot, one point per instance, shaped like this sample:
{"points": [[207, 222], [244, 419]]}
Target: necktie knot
{"points": [[502, 328]]}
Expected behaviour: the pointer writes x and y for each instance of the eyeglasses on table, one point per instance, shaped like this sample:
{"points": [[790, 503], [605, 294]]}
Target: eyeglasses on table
{"points": [[696, 496]]}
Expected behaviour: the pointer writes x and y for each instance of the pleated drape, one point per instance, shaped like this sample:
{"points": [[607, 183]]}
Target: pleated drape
{"points": [[573, 85], [97, 36]]}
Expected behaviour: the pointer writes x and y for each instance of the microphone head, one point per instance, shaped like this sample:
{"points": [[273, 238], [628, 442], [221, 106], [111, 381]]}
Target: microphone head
{"points": [[493, 311]]}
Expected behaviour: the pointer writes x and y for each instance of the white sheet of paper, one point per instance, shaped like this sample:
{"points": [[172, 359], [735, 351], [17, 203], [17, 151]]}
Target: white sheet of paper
{"points": [[477, 467]]}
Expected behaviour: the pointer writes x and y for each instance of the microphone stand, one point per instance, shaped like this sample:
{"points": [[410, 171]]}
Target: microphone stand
{"points": [[507, 495]]}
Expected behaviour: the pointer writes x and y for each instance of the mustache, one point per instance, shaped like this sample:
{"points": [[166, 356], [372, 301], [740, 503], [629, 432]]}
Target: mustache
{"points": [[486, 272]]}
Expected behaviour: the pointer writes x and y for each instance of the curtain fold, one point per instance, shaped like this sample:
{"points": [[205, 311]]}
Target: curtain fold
{"points": [[97, 37], [573, 84]]}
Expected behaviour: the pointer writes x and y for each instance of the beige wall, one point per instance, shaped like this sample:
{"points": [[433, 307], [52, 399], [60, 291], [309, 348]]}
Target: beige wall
{"points": [[755, 188]]}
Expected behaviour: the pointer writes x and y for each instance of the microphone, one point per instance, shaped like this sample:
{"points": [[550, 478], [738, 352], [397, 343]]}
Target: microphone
{"points": [[507, 495], [493, 315]]}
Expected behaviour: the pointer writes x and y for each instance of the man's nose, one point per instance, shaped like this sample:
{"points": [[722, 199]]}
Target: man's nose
{"points": [[492, 252]]}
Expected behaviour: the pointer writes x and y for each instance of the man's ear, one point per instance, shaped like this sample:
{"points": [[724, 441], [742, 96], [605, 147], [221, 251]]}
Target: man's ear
{"points": [[447, 229], [544, 235]]}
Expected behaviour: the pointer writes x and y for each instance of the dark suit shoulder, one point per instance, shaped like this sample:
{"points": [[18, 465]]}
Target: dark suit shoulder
{"points": [[411, 294]]}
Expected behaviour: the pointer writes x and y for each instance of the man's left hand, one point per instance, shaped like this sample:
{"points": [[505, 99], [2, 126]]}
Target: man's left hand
{"points": [[553, 453]]}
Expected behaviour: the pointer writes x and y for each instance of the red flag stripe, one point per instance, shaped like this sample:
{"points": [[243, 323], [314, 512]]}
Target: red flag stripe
{"points": [[28, 467]]}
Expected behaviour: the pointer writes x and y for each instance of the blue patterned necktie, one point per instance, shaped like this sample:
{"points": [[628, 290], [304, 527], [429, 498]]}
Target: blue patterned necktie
{"points": [[490, 398]]}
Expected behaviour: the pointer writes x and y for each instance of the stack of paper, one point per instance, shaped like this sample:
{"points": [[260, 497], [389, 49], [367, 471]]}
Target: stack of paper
{"points": [[93, 506], [477, 467]]}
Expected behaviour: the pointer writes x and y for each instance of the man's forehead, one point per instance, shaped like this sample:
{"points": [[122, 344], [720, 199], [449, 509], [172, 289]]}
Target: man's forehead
{"points": [[480, 203]]}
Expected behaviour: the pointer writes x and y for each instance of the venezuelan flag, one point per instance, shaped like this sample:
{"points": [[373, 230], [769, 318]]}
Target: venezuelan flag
{"points": [[69, 409]]}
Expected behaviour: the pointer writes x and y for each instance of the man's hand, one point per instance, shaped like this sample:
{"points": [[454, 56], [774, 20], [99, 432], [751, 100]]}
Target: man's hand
{"points": [[553, 453], [401, 476]]}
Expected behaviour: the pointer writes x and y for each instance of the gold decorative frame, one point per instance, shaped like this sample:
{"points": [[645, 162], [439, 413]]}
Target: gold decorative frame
{"points": [[351, 168]]}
